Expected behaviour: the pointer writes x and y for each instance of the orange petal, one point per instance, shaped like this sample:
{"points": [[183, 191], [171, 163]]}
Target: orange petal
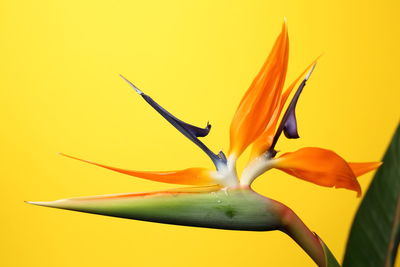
{"points": [[319, 166], [264, 141], [190, 176], [261, 99], [360, 168]]}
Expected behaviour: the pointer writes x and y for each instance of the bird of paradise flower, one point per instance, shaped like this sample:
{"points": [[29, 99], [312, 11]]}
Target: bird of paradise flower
{"points": [[222, 200]]}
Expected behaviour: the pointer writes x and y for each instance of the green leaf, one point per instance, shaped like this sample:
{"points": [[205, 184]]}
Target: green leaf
{"points": [[374, 236]]}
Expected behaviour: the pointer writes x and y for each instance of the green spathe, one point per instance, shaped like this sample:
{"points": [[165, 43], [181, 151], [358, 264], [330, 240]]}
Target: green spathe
{"points": [[234, 209], [237, 208]]}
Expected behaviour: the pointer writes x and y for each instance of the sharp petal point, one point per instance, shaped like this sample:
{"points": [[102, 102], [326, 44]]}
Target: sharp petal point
{"points": [[132, 85], [38, 203], [310, 71]]}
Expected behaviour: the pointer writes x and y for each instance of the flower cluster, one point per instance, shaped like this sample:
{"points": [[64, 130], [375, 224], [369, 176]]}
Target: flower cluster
{"points": [[258, 123]]}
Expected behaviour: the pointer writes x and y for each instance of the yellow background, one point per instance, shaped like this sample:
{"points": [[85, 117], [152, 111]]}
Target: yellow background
{"points": [[60, 92]]}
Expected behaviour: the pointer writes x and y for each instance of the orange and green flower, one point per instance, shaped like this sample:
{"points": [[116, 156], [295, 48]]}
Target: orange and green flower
{"points": [[224, 199], [255, 124]]}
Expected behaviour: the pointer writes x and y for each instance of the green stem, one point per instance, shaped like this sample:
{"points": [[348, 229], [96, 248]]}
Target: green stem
{"points": [[293, 226]]}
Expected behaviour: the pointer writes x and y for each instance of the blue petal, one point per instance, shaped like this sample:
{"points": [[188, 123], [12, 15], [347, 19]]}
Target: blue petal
{"points": [[288, 124], [290, 128], [188, 130]]}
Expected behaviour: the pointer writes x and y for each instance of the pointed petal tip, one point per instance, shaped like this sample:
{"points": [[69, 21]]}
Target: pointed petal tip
{"points": [[62, 154], [361, 168], [38, 203], [132, 85], [356, 187], [310, 71], [285, 26], [312, 67], [72, 157]]}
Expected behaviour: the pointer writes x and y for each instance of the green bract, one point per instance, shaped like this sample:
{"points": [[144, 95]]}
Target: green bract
{"points": [[232, 208], [236, 209]]}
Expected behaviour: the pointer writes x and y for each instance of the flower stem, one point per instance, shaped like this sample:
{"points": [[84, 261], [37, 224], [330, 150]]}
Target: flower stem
{"points": [[293, 226]]}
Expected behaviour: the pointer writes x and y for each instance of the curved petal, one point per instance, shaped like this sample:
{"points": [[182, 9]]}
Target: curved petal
{"points": [[190, 131], [261, 99], [319, 166], [264, 141], [190, 176], [182, 126], [360, 168]]}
